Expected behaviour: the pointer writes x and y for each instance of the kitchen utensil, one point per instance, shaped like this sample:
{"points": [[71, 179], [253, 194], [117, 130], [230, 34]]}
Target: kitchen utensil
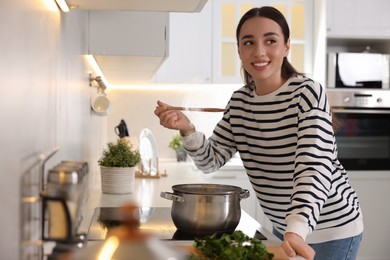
{"points": [[204, 209], [101, 105], [121, 129], [198, 109], [63, 200]]}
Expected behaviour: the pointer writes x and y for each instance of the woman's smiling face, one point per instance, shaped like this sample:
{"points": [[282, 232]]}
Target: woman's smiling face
{"points": [[262, 48]]}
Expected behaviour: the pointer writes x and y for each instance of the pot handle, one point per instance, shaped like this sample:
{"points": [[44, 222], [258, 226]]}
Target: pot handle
{"points": [[171, 196], [244, 194]]}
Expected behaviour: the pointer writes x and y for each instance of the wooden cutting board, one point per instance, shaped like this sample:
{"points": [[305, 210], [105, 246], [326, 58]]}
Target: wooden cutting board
{"points": [[278, 252]]}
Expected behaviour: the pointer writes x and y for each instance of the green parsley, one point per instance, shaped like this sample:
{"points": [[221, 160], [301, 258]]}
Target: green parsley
{"points": [[231, 247]]}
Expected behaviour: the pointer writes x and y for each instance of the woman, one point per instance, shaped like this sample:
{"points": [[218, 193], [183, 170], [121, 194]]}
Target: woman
{"points": [[281, 125]]}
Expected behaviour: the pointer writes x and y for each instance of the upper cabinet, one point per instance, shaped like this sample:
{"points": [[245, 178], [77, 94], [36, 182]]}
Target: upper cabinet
{"points": [[358, 19], [357, 26], [203, 47], [128, 46], [129, 39], [226, 62], [190, 49], [139, 5]]}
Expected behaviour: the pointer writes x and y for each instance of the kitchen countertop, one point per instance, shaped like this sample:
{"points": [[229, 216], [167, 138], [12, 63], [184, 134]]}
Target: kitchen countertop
{"points": [[147, 194], [146, 190]]}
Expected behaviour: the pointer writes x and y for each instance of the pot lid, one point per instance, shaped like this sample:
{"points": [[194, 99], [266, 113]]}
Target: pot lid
{"points": [[206, 189]]}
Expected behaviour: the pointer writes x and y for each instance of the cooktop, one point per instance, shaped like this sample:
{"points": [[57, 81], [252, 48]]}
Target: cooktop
{"points": [[154, 220]]}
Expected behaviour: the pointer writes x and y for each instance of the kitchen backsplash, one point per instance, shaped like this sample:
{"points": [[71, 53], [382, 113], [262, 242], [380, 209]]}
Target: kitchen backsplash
{"points": [[136, 105]]}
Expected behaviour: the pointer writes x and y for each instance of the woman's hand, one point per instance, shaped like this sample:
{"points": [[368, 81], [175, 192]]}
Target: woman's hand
{"points": [[173, 119], [294, 245]]}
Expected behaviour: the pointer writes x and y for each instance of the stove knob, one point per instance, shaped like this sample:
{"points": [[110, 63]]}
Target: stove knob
{"points": [[347, 99], [379, 100]]}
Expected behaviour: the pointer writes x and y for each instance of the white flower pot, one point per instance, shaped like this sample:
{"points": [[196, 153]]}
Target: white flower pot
{"points": [[117, 180]]}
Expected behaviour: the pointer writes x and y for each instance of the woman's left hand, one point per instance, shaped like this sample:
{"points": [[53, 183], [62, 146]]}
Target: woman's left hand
{"points": [[294, 245]]}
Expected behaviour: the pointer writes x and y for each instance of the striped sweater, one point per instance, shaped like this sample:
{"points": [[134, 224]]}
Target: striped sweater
{"points": [[287, 144]]}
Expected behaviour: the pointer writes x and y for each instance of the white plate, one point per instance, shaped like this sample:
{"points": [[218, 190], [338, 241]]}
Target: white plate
{"points": [[148, 151]]}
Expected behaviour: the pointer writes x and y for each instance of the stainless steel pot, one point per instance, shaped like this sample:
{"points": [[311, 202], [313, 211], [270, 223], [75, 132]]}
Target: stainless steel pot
{"points": [[205, 209]]}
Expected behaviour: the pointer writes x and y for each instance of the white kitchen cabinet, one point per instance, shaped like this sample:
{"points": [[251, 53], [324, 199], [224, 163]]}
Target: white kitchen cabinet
{"points": [[226, 16], [190, 49], [139, 5], [373, 191], [360, 19], [203, 46], [128, 46]]}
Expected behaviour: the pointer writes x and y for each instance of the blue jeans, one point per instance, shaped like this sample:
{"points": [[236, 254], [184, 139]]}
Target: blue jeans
{"points": [[341, 249]]}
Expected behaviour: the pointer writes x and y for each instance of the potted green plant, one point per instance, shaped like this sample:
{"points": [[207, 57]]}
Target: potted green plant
{"points": [[177, 144], [117, 167]]}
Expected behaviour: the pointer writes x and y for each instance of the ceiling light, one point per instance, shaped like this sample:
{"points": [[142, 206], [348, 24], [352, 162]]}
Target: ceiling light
{"points": [[63, 5]]}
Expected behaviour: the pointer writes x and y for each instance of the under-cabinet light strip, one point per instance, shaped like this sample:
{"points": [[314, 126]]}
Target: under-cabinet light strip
{"points": [[95, 67]]}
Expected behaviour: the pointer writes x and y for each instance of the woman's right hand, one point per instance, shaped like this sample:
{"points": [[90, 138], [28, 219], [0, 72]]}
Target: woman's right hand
{"points": [[173, 119], [294, 245]]}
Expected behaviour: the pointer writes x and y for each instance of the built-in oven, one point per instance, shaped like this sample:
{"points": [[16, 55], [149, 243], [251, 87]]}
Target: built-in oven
{"points": [[362, 127]]}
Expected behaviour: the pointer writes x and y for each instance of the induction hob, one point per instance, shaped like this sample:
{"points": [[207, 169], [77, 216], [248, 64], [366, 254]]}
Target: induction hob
{"points": [[154, 220]]}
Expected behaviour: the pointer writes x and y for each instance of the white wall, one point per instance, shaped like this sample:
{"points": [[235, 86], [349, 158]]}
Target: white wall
{"points": [[44, 104], [136, 105], [319, 38]]}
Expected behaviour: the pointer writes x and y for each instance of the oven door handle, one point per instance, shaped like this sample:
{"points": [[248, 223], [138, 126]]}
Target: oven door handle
{"points": [[360, 111]]}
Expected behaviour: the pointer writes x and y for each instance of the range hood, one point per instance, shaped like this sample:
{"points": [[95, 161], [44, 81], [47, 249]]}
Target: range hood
{"points": [[128, 46], [129, 38], [139, 5]]}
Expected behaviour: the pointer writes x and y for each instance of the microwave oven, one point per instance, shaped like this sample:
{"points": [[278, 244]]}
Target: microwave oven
{"points": [[358, 70]]}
